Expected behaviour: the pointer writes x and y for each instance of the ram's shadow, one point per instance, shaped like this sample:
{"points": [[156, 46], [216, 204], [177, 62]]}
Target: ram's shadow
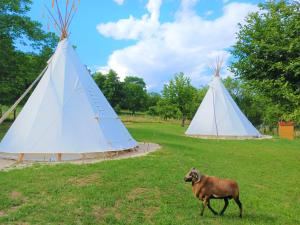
{"points": [[253, 218]]}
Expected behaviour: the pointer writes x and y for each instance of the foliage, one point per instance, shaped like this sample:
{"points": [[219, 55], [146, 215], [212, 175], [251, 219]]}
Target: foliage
{"points": [[152, 99], [178, 98], [135, 94], [168, 110], [19, 69], [111, 86], [151, 190], [131, 94], [268, 57]]}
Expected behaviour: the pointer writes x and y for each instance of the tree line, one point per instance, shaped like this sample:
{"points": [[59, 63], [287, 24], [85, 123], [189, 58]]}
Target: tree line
{"points": [[179, 99]]}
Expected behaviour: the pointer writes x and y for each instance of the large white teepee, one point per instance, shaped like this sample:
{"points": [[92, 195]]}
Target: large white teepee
{"points": [[219, 116], [67, 112]]}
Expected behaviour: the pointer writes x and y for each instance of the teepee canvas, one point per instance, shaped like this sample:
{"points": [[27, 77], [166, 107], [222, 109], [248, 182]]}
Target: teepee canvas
{"points": [[219, 116], [66, 113]]}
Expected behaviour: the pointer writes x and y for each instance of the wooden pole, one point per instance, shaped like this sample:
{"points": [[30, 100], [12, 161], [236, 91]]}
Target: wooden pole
{"points": [[59, 157], [21, 158]]}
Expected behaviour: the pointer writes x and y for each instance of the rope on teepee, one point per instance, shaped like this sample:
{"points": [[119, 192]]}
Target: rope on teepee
{"points": [[6, 114], [215, 118]]}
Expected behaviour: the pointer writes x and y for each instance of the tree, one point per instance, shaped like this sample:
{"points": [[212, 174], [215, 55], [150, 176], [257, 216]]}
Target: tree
{"points": [[135, 94], [110, 86], [152, 99], [135, 80], [99, 79], [267, 56], [19, 69], [179, 93], [166, 110]]}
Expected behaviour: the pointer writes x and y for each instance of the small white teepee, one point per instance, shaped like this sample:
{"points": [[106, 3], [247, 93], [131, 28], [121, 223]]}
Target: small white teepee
{"points": [[218, 116], [67, 112]]}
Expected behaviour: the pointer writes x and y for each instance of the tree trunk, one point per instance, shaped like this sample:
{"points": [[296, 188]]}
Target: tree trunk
{"points": [[183, 121], [15, 114], [1, 113]]}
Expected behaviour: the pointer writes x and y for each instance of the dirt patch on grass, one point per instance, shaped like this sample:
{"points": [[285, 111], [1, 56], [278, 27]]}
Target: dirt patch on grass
{"points": [[138, 200], [15, 195], [136, 192], [2, 213], [150, 212], [10, 210], [148, 193], [259, 186], [84, 181], [100, 213], [115, 210]]}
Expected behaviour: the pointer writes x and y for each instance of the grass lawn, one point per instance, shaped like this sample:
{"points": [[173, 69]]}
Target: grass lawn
{"points": [[150, 189]]}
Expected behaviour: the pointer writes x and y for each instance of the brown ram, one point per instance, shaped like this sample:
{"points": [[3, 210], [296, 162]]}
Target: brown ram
{"points": [[207, 187]]}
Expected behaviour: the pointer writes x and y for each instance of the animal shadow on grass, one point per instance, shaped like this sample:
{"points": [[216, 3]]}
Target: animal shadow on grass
{"points": [[253, 218]]}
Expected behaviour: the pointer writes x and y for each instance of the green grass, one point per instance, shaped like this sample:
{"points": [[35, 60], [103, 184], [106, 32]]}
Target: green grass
{"points": [[150, 189]]}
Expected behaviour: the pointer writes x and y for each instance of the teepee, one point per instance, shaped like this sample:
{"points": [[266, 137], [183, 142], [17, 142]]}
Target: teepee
{"points": [[67, 112], [218, 116]]}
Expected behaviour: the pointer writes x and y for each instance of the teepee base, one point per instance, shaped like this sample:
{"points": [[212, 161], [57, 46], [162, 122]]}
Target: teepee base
{"points": [[9, 159], [59, 157]]}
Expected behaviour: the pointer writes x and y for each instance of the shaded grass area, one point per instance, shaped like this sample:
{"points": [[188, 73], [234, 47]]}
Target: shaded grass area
{"points": [[150, 189]]}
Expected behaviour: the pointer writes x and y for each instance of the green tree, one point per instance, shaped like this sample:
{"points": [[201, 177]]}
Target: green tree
{"points": [[167, 110], [267, 56], [19, 69], [152, 99], [135, 94], [99, 78], [179, 94], [135, 80], [110, 86]]}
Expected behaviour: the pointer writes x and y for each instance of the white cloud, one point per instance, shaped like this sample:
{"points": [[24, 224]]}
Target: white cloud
{"points": [[188, 44], [132, 28], [119, 2]]}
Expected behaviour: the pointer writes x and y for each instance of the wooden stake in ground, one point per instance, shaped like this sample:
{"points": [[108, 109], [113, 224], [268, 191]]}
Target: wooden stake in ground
{"points": [[21, 157], [59, 157]]}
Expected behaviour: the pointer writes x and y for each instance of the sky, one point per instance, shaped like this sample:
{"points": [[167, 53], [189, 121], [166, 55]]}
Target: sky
{"points": [[154, 39]]}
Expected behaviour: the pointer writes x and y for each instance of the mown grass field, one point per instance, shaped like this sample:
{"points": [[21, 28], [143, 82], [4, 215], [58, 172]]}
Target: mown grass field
{"points": [[150, 189]]}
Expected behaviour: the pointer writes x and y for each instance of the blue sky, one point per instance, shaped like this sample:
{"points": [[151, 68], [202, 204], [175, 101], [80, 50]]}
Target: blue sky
{"points": [[154, 39]]}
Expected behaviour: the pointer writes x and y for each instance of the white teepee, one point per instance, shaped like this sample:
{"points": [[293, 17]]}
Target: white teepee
{"points": [[219, 116], [66, 113]]}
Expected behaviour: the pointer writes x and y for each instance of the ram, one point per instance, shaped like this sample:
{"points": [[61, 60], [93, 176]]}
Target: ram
{"points": [[208, 187]]}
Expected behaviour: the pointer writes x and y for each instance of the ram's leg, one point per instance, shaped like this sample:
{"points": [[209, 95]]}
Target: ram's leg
{"points": [[204, 205], [225, 206], [238, 202], [211, 209]]}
